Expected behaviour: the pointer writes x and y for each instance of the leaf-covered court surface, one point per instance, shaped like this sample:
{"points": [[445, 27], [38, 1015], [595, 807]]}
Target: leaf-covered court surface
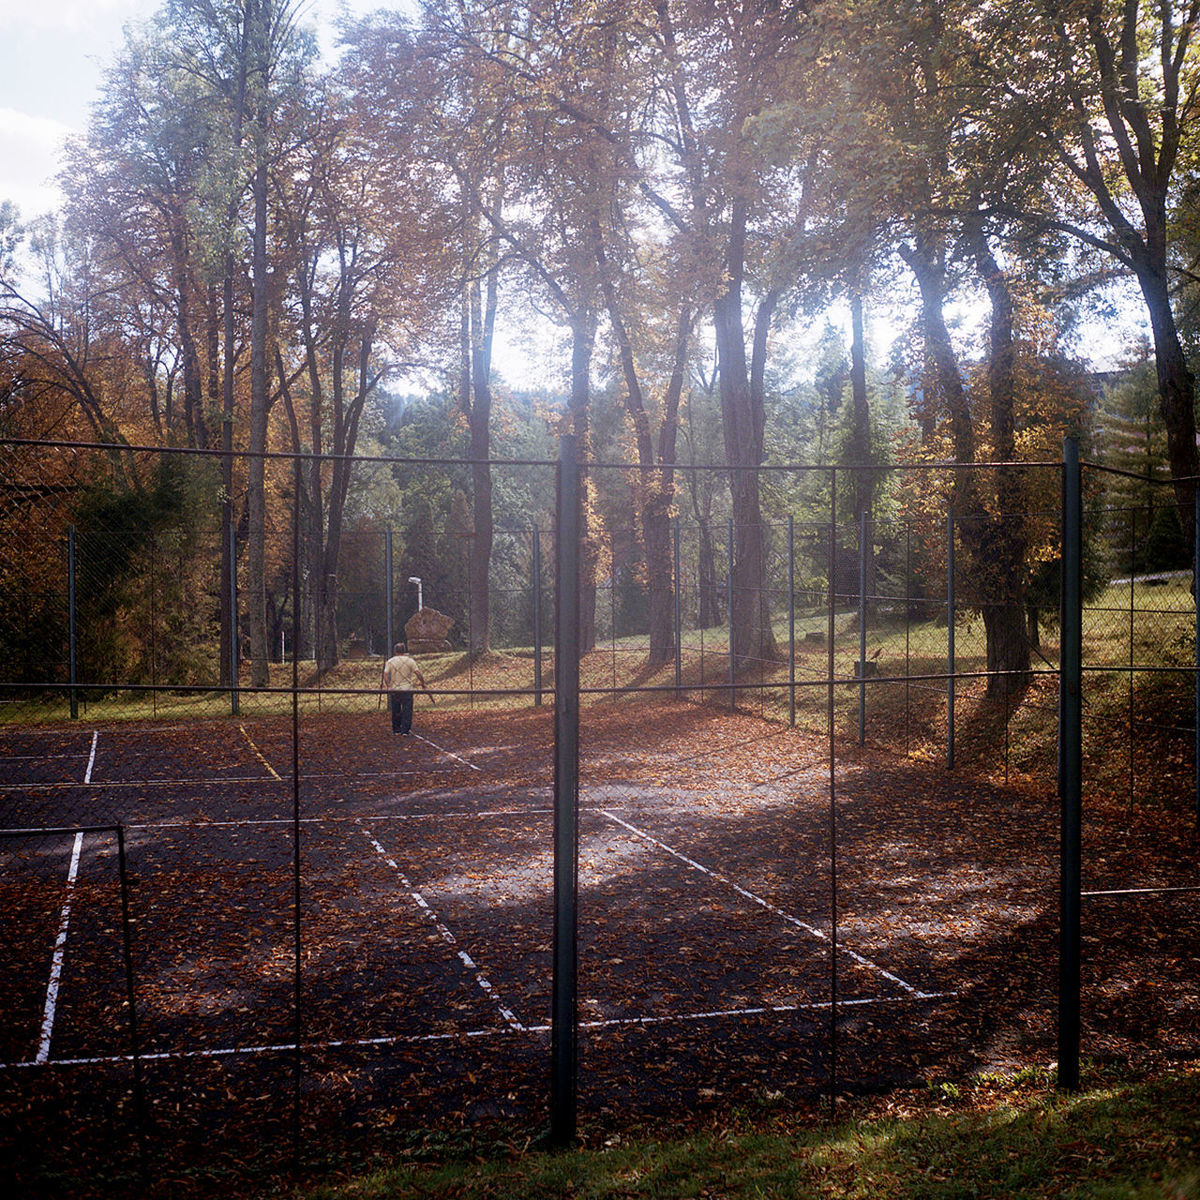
{"points": [[709, 956]]}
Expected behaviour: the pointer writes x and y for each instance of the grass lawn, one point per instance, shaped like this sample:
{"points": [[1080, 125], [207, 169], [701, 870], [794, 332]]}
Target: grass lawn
{"points": [[1009, 1140]]}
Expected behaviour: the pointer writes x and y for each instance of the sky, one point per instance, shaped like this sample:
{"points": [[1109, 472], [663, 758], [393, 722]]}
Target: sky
{"points": [[53, 54]]}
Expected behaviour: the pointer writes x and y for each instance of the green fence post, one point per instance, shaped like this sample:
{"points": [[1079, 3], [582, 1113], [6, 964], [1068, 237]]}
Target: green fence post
{"points": [[791, 576], [1070, 761], [71, 634], [537, 617], [564, 999], [729, 601], [950, 640], [678, 613]]}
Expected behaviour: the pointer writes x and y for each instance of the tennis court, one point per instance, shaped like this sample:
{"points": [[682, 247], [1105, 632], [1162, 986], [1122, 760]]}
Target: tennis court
{"points": [[417, 906]]}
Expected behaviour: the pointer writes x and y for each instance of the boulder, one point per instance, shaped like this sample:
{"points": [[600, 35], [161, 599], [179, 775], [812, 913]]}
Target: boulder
{"points": [[428, 632]]}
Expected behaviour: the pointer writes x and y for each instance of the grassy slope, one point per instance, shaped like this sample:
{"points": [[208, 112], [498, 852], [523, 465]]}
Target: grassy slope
{"points": [[1004, 1140]]}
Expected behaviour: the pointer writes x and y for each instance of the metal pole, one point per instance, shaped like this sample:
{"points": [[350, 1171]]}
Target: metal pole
{"points": [[1132, 596], [1070, 736], [235, 649], [388, 569], [564, 1005], [907, 637], [1196, 648], [154, 625], [73, 645], [729, 602], [791, 621], [296, 864], [678, 614], [950, 639], [862, 629], [833, 881], [537, 617]]}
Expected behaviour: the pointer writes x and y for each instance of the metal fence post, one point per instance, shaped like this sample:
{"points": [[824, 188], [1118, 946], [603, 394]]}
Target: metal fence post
{"points": [[235, 648], [537, 617], [1196, 645], [950, 639], [729, 601], [388, 574], [564, 1004], [71, 635], [297, 891], [1070, 758], [862, 628], [678, 613], [791, 577], [831, 723]]}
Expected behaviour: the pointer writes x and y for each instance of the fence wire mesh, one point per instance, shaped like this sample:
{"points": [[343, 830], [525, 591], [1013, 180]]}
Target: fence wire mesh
{"points": [[314, 933]]}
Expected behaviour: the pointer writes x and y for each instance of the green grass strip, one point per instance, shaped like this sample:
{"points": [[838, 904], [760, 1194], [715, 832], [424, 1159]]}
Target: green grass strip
{"points": [[1127, 1141]]}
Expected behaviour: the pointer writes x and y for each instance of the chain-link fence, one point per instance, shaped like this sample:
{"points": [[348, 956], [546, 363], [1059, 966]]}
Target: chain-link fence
{"points": [[241, 914]]}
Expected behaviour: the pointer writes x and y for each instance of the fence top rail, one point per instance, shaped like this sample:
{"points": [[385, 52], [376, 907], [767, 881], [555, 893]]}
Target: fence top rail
{"points": [[308, 456], [280, 455], [1139, 476]]}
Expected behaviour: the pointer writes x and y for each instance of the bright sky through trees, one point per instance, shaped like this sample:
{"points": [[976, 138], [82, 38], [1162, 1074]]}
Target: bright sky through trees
{"points": [[52, 58]]}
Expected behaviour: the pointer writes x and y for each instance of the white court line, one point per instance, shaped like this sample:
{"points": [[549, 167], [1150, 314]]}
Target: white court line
{"points": [[451, 753], [446, 935], [112, 784], [259, 755], [771, 908], [87, 777], [56, 965], [757, 1011], [222, 780], [331, 820], [7, 758], [414, 1039]]}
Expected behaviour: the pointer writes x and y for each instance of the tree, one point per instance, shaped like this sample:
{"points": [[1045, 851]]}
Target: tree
{"points": [[352, 235], [1104, 92]]}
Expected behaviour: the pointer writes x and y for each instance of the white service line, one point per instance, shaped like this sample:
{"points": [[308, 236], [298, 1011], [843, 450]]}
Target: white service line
{"points": [[413, 1039], [146, 784], [771, 908], [451, 753], [249, 822], [56, 964], [755, 1011], [87, 776], [446, 935]]}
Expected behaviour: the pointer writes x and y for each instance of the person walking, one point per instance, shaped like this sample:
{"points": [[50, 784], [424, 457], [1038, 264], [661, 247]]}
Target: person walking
{"points": [[400, 676]]}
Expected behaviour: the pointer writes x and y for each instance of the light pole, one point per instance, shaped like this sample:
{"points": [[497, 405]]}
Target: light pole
{"points": [[417, 580]]}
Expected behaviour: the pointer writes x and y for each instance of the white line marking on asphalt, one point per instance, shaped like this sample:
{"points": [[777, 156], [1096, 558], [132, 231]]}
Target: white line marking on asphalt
{"points": [[87, 775], [451, 753], [445, 933], [56, 964], [771, 908], [418, 1038]]}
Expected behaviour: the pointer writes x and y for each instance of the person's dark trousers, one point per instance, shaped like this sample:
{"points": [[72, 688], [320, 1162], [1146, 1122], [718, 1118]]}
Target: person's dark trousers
{"points": [[402, 711]]}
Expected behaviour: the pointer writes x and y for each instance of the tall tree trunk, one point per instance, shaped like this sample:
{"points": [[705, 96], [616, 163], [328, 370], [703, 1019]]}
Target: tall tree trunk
{"points": [[742, 416], [655, 479], [1176, 397], [1000, 542], [256, 591], [483, 323], [583, 336]]}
